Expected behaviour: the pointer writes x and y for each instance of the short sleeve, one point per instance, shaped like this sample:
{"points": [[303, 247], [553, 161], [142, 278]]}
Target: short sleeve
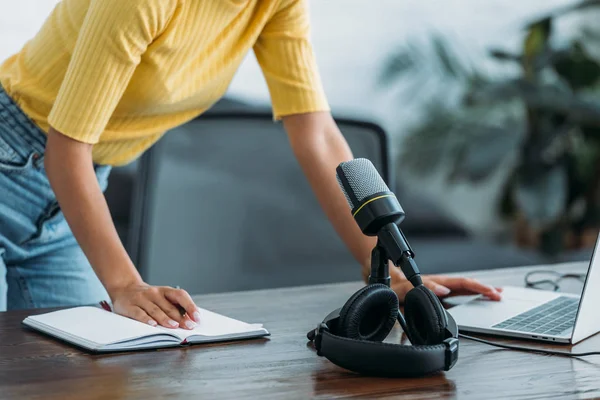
{"points": [[111, 42], [287, 60]]}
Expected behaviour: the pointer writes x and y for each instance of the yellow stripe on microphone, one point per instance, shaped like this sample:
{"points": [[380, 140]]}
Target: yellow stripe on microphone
{"points": [[373, 199]]}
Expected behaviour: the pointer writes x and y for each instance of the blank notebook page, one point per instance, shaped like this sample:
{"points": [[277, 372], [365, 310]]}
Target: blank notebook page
{"points": [[212, 324], [96, 325]]}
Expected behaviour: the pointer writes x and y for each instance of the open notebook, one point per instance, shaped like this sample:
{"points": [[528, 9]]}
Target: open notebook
{"points": [[98, 330]]}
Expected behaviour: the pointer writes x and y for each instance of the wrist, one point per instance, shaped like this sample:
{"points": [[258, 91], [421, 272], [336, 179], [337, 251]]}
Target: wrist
{"points": [[366, 268], [365, 274], [121, 281]]}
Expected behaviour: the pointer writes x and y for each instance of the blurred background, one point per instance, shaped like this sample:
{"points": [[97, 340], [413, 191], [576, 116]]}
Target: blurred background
{"points": [[483, 116]]}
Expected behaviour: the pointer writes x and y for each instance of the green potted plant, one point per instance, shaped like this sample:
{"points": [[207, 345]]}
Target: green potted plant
{"points": [[545, 118]]}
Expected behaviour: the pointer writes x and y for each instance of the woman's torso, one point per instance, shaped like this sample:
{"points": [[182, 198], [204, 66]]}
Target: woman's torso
{"points": [[185, 70]]}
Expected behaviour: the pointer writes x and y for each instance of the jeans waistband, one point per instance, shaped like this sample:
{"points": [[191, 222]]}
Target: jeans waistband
{"points": [[23, 135]]}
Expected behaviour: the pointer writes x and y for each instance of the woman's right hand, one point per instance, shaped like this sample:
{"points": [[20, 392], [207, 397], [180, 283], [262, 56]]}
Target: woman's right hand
{"points": [[155, 305], [69, 166]]}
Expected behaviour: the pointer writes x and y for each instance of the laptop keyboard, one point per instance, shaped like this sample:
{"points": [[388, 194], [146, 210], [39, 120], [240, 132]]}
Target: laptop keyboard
{"points": [[551, 318]]}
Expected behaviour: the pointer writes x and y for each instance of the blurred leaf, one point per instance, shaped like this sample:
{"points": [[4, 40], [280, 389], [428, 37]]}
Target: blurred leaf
{"points": [[535, 44], [587, 156], [551, 57], [482, 155], [577, 181], [537, 37], [563, 10], [579, 69], [425, 147], [540, 97], [543, 198], [441, 58], [505, 56], [466, 138], [551, 146], [556, 143], [506, 205], [449, 62], [583, 5], [547, 58], [589, 34], [397, 65], [592, 133]]}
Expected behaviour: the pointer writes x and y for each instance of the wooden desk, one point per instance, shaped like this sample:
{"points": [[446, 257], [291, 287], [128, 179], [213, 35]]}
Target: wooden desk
{"points": [[283, 366]]}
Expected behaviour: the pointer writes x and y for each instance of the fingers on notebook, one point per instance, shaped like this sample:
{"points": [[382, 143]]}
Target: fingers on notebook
{"points": [[156, 313], [173, 312], [181, 297], [141, 315]]}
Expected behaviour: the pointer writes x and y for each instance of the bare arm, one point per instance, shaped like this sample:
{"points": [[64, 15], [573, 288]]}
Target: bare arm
{"points": [[70, 171], [320, 147]]}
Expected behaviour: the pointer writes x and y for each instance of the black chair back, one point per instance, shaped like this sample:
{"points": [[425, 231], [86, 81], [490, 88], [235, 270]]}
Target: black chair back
{"points": [[221, 204]]}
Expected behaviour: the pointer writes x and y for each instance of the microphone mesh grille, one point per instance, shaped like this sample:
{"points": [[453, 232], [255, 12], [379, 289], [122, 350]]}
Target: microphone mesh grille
{"points": [[344, 191], [363, 178]]}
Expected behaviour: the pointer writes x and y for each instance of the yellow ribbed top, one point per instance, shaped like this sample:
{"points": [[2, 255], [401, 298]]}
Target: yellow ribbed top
{"points": [[120, 73]]}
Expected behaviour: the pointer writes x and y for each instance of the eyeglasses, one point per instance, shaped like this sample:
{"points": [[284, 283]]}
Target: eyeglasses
{"points": [[549, 280]]}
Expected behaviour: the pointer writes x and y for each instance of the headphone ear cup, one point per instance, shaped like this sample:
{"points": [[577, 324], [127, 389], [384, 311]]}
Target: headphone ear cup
{"points": [[370, 314], [425, 316]]}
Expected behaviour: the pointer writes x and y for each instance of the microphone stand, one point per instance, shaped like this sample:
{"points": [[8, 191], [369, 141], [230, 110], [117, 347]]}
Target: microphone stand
{"points": [[380, 273]]}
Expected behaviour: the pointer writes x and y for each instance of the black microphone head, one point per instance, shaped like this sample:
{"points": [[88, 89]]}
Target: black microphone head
{"points": [[370, 199], [359, 180]]}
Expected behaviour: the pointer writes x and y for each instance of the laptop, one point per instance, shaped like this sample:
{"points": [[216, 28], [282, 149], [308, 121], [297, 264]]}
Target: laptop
{"points": [[540, 315]]}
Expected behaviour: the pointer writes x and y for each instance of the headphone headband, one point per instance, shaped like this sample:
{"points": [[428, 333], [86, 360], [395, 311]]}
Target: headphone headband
{"points": [[384, 359]]}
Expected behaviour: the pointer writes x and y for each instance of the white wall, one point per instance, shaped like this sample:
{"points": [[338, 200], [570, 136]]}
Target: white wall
{"points": [[20, 20]]}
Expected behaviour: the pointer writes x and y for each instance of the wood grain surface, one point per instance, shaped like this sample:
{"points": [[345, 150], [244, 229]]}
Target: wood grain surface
{"points": [[33, 366]]}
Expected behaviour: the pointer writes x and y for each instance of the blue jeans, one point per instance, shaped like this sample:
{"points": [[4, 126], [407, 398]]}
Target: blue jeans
{"points": [[44, 265]]}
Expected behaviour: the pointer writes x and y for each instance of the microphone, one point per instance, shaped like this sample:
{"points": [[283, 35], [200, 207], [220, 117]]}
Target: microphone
{"points": [[377, 212]]}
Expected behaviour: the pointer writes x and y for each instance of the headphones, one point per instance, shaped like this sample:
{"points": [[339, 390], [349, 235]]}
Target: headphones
{"points": [[351, 336]]}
